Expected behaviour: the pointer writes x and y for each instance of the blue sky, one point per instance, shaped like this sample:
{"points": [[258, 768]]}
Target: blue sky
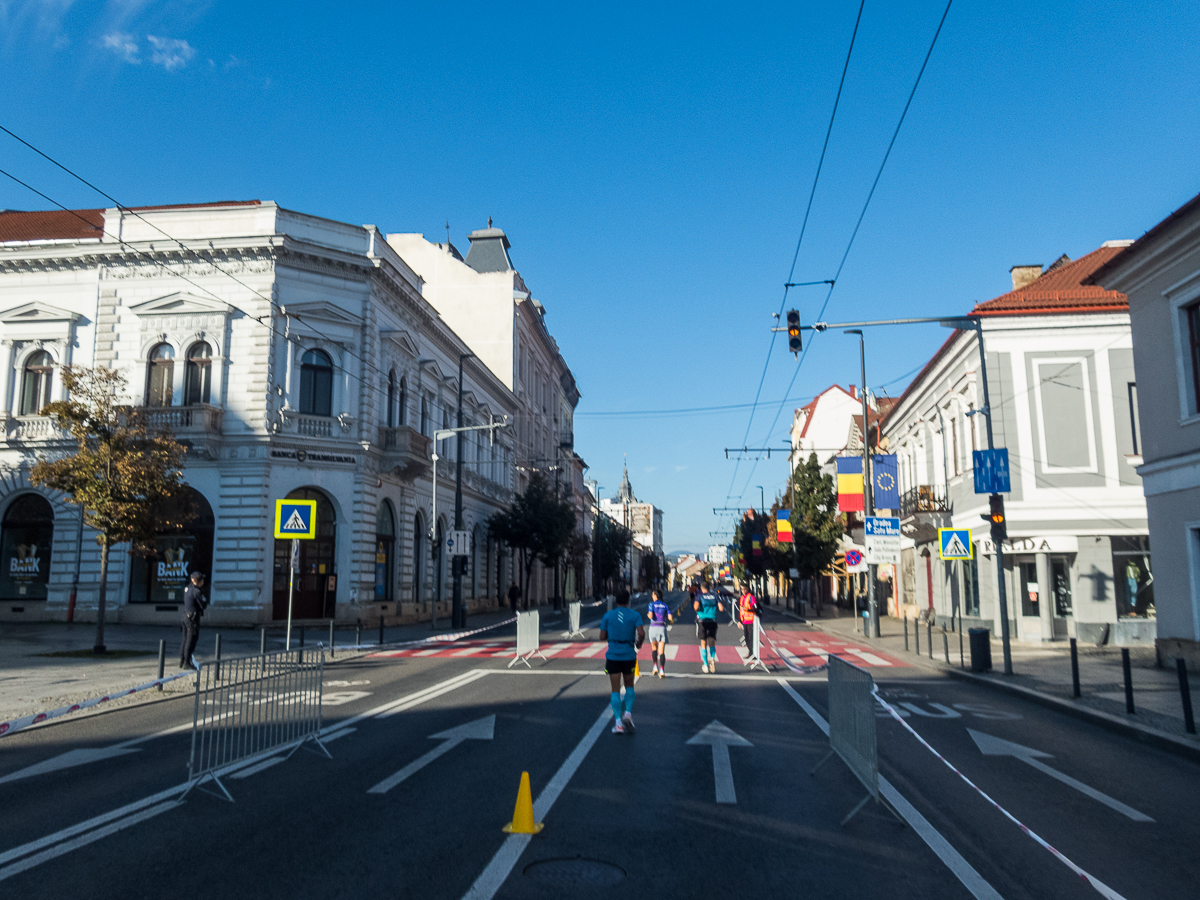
{"points": [[651, 165]]}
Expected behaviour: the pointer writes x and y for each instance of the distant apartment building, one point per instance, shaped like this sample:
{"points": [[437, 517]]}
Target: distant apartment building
{"points": [[718, 554], [1160, 273], [1060, 369]]}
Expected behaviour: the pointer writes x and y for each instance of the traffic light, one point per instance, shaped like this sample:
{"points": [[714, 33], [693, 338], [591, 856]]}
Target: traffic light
{"points": [[793, 330], [997, 518]]}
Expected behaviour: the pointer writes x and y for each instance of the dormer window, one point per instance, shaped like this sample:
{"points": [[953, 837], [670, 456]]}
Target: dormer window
{"points": [[35, 384], [160, 376], [316, 384], [198, 380]]}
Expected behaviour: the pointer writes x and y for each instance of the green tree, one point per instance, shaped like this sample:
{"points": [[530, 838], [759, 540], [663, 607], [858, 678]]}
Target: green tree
{"points": [[610, 541], [816, 523], [538, 525], [121, 473]]}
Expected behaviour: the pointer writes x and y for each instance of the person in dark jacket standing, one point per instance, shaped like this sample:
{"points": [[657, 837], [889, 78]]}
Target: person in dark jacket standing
{"points": [[514, 596], [194, 605]]}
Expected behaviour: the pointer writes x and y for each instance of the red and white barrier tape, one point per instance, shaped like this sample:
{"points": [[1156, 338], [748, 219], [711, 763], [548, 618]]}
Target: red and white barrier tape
{"points": [[7, 728], [1103, 889]]}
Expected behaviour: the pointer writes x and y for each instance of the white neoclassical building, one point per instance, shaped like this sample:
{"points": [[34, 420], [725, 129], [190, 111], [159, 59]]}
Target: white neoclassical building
{"points": [[297, 358]]}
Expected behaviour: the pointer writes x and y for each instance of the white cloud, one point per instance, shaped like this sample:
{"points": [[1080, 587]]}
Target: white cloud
{"points": [[170, 53], [123, 45]]}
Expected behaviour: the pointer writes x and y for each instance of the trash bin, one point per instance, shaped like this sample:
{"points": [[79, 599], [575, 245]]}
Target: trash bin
{"points": [[981, 649]]}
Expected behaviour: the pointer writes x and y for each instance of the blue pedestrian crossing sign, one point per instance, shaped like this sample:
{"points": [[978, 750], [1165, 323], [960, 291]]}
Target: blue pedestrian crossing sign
{"points": [[955, 543], [296, 519]]}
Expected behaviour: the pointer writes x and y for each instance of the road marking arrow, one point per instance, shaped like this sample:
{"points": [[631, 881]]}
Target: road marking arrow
{"points": [[721, 739], [479, 730], [68, 760], [994, 746]]}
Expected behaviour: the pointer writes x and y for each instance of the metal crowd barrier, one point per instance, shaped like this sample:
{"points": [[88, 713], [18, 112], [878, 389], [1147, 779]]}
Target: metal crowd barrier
{"points": [[573, 613], [754, 653], [852, 729], [254, 706], [528, 626]]}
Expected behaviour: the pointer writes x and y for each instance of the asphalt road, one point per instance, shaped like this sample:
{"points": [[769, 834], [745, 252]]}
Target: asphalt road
{"points": [[628, 813]]}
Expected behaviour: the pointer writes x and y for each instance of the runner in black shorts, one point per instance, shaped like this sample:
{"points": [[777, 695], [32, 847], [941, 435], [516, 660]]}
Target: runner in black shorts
{"points": [[707, 605], [622, 628]]}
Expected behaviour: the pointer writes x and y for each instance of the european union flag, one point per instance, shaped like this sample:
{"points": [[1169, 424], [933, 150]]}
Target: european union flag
{"points": [[885, 482]]}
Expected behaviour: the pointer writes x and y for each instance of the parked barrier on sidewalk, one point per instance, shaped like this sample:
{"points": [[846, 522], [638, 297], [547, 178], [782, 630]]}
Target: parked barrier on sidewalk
{"points": [[754, 657], [852, 729], [528, 628], [573, 628], [264, 704]]}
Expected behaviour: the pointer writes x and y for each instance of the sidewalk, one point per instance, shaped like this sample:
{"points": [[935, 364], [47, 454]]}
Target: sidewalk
{"points": [[1046, 672], [48, 665]]}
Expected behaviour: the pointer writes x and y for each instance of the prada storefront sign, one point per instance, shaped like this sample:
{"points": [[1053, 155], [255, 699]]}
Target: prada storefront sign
{"points": [[1050, 543]]}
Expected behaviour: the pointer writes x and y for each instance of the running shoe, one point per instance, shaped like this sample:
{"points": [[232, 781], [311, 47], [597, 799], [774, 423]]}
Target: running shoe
{"points": [[662, 674], [712, 667], [618, 728], [628, 720]]}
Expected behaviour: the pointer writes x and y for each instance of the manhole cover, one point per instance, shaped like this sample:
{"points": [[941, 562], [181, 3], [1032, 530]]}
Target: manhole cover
{"points": [[575, 873]]}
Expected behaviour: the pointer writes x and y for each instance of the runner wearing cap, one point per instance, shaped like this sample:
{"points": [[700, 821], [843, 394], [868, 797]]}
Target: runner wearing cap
{"points": [[707, 605], [660, 615], [622, 628]]}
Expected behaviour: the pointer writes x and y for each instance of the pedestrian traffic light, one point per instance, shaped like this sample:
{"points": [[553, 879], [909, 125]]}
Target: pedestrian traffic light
{"points": [[997, 518], [793, 330]]}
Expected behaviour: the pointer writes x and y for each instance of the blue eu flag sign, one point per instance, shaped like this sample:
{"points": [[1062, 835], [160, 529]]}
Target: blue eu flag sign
{"points": [[885, 481]]}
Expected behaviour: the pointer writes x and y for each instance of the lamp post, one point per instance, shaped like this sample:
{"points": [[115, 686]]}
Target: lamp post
{"points": [[868, 493], [458, 615]]}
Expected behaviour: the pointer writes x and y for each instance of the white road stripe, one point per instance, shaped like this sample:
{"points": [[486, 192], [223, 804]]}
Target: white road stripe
{"points": [[341, 733], [590, 651], [868, 657], [510, 851], [672, 651], [258, 767], [963, 870], [428, 694]]}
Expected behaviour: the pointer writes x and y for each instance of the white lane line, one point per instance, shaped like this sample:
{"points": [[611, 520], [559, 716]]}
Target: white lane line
{"points": [[258, 767], [428, 694], [510, 851], [112, 828], [963, 870], [340, 733]]}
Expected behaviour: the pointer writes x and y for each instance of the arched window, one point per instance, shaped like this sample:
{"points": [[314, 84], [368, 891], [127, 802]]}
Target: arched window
{"points": [[403, 417], [197, 381], [25, 541], [35, 384], [316, 580], [163, 577], [418, 593], [316, 384], [425, 416], [391, 399], [160, 376], [385, 547]]}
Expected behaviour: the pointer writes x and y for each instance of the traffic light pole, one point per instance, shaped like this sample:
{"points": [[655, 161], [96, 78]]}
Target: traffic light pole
{"points": [[868, 484]]}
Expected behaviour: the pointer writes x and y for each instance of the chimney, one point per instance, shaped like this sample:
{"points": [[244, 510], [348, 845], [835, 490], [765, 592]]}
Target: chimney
{"points": [[852, 393], [1023, 275]]}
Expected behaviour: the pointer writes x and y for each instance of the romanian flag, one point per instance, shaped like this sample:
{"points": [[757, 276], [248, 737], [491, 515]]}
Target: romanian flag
{"points": [[850, 483], [783, 525], [756, 544]]}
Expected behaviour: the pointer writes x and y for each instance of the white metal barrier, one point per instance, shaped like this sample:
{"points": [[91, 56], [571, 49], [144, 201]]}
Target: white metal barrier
{"points": [[573, 613], [254, 706], [754, 652], [852, 729], [528, 627]]}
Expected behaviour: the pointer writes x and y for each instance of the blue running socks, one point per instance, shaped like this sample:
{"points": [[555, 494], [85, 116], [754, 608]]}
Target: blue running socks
{"points": [[615, 701], [704, 655], [629, 700]]}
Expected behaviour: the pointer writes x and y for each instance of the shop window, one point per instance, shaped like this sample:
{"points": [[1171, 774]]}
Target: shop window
{"points": [[1060, 581], [162, 576], [385, 546], [1132, 577], [35, 383], [1030, 589], [26, 537], [970, 587], [316, 384], [197, 382], [160, 376], [315, 592]]}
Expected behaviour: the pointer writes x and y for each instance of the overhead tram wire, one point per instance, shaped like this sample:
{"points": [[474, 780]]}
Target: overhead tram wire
{"points": [[857, 226], [803, 227]]}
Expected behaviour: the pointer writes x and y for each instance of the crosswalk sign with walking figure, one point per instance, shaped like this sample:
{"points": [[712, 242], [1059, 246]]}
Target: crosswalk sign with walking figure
{"points": [[955, 543], [296, 519]]}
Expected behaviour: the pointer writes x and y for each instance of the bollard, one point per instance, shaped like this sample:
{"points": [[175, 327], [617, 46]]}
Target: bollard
{"points": [[916, 637], [331, 650], [218, 654], [262, 642], [930, 636], [358, 633], [1185, 694], [162, 660], [301, 635], [1128, 680], [962, 663], [946, 646], [906, 632], [1075, 692], [381, 628]]}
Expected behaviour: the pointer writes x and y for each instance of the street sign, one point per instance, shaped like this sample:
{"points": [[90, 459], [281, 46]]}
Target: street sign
{"points": [[991, 471], [296, 519], [459, 543], [855, 561], [882, 539], [955, 543]]}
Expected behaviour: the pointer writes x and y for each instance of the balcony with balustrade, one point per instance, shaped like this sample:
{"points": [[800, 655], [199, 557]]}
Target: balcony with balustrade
{"points": [[405, 451], [32, 429], [198, 427], [923, 510]]}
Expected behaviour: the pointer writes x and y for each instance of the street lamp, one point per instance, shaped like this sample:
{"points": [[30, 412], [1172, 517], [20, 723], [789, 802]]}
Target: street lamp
{"points": [[868, 493]]}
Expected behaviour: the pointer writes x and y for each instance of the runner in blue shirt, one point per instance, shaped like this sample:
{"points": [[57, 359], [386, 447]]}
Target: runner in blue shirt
{"points": [[622, 628], [660, 614], [707, 605]]}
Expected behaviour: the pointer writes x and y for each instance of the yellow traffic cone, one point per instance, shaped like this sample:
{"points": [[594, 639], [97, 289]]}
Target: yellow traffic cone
{"points": [[522, 821], [636, 672]]}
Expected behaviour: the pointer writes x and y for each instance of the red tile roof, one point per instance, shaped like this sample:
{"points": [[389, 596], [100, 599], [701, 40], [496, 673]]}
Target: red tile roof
{"points": [[1061, 289], [49, 225], [78, 224]]}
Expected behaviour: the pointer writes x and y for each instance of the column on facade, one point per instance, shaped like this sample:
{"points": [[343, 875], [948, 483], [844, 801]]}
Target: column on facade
{"points": [[1045, 596], [6, 353]]}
